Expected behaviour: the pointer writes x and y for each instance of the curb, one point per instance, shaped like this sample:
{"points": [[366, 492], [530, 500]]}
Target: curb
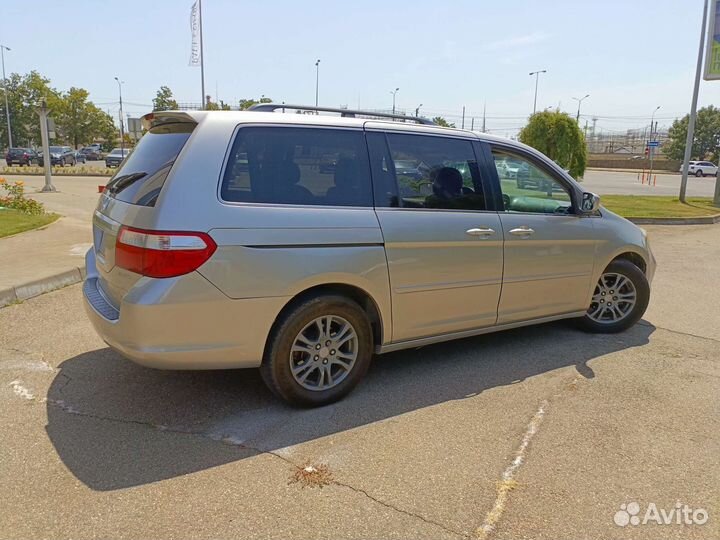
{"points": [[703, 220], [20, 293], [612, 169]]}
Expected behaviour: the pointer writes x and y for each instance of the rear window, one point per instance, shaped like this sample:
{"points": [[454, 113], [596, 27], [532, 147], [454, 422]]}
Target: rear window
{"points": [[141, 177], [305, 166]]}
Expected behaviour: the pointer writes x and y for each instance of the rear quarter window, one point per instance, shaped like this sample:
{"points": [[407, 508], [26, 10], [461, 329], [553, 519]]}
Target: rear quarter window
{"points": [[142, 175], [298, 165]]}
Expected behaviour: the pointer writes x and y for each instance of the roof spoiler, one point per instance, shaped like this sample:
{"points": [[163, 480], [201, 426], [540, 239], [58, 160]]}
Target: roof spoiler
{"points": [[157, 118]]}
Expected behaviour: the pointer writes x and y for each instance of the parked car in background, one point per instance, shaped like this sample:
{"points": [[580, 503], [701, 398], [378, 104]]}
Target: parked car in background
{"points": [[702, 168], [21, 156], [198, 264], [80, 157], [92, 153], [115, 157], [59, 155]]}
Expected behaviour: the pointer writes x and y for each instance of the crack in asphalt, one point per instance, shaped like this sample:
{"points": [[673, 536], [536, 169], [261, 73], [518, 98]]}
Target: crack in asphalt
{"points": [[61, 405], [400, 510], [679, 332]]}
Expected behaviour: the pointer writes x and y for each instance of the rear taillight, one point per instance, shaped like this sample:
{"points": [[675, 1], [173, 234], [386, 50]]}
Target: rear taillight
{"points": [[162, 254]]}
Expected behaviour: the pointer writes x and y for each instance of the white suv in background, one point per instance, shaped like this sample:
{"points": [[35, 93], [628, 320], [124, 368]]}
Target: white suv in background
{"points": [[702, 168]]}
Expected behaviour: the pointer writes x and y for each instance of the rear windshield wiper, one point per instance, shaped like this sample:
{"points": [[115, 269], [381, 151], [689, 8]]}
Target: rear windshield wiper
{"points": [[116, 185]]}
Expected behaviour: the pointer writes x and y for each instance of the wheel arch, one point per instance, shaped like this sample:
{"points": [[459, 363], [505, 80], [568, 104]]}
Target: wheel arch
{"points": [[359, 295]]}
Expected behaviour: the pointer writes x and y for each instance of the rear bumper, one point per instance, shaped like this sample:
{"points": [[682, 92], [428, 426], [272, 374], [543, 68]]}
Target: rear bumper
{"points": [[181, 323]]}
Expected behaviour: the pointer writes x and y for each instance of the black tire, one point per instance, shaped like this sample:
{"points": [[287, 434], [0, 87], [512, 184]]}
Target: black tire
{"points": [[642, 288], [62, 163], [699, 174], [275, 369]]}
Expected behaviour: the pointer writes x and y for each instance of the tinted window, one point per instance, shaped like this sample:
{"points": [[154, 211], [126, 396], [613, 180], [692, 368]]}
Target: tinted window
{"points": [[142, 175], [433, 172], [528, 188], [288, 165]]}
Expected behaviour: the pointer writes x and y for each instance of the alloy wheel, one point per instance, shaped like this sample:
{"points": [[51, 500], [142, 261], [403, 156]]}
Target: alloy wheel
{"points": [[614, 298], [323, 353]]}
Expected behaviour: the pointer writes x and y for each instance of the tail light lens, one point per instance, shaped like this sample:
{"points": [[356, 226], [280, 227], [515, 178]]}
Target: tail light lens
{"points": [[162, 254]]}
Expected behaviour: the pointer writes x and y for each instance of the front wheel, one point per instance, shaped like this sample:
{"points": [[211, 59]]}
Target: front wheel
{"points": [[699, 174], [619, 300], [318, 352]]}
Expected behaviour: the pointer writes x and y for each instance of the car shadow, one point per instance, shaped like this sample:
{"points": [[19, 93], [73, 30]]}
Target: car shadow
{"points": [[108, 418]]}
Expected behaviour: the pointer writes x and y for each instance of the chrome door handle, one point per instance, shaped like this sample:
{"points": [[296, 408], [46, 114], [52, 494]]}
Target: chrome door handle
{"points": [[480, 231], [522, 231]]}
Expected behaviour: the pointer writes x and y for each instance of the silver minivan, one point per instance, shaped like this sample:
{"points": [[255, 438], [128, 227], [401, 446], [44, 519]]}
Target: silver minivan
{"points": [[302, 244]]}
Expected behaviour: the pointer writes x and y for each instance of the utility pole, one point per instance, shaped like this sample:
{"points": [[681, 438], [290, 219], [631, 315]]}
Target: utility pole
{"points": [[317, 81], [483, 128], [693, 107], [537, 76], [122, 125], [3, 48], [43, 113], [462, 126]]}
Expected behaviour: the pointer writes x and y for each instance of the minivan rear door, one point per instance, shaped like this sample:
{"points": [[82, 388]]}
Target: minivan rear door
{"points": [[443, 244], [130, 195]]}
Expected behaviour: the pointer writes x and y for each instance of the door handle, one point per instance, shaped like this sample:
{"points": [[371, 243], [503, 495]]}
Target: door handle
{"points": [[522, 231], [480, 231]]}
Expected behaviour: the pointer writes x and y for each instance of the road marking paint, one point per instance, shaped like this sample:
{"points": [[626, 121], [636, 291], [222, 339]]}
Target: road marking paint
{"points": [[21, 391], [507, 482]]}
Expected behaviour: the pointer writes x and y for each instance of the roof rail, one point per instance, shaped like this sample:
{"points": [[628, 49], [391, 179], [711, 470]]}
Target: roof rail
{"points": [[349, 113]]}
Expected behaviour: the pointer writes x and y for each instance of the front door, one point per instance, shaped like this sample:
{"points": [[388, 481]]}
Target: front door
{"points": [[549, 250], [444, 248]]}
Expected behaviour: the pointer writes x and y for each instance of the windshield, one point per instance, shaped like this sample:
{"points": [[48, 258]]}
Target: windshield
{"points": [[142, 175]]}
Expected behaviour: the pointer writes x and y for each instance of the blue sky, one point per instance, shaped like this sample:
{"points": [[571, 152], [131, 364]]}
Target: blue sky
{"points": [[630, 56]]}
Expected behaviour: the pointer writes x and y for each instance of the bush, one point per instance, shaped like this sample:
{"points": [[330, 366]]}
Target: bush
{"points": [[16, 199]]}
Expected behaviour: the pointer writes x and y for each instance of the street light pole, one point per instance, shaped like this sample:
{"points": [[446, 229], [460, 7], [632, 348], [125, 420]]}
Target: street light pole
{"points": [[580, 100], [47, 164], [3, 48], [693, 106], [537, 76], [122, 128], [417, 110], [317, 81], [393, 92]]}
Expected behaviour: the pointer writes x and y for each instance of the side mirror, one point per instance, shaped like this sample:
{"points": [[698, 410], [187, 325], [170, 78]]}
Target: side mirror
{"points": [[590, 203]]}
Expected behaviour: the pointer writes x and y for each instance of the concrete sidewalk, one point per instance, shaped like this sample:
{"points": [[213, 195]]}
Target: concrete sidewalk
{"points": [[38, 261]]}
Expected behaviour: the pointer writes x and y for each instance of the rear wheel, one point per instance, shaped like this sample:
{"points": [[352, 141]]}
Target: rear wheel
{"points": [[318, 351], [699, 173], [620, 298]]}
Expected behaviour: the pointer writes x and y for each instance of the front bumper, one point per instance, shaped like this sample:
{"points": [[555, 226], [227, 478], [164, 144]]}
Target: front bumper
{"points": [[180, 323]]}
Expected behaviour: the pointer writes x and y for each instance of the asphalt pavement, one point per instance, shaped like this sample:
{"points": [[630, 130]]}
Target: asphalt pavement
{"points": [[541, 432]]}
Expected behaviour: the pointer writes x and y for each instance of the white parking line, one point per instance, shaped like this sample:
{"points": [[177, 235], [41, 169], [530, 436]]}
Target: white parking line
{"points": [[507, 482], [21, 391]]}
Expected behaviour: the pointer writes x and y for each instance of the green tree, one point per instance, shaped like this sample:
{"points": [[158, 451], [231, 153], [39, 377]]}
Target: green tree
{"points": [[24, 95], [164, 100], [706, 139], [558, 136], [440, 121], [78, 120], [247, 103], [215, 106]]}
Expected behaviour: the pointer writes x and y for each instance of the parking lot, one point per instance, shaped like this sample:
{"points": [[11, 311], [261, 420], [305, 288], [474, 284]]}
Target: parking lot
{"points": [[532, 433]]}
